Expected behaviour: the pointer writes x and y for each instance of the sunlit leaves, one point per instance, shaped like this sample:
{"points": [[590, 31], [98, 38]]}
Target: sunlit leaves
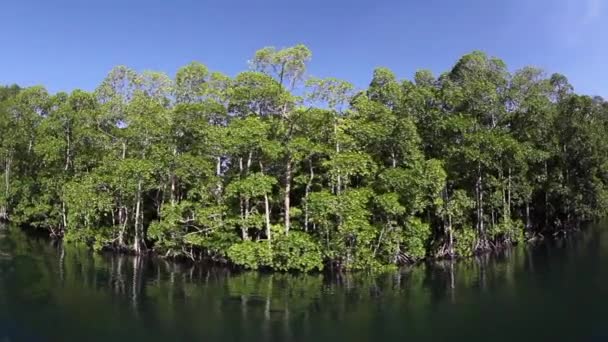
{"points": [[212, 167]]}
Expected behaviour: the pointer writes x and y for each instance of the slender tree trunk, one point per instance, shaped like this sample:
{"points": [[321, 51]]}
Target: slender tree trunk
{"points": [[242, 204], [123, 212], [287, 194], [122, 222], [381, 236], [159, 200], [546, 196], [67, 152], [218, 167], [173, 189], [266, 211], [449, 222], [7, 175], [138, 240], [509, 194], [249, 156], [504, 204], [267, 217], [244, 234], [218, 174], [247, 212], [307, 193], [7, 172], [247, 208], [64, 217], [480, 221], [477, 205], [503, 197], [173, 181], [338, 178], [241, 167], [528, 223], [450, 236]]}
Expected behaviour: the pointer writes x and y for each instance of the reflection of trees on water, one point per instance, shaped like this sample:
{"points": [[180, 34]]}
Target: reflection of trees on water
{"points": [[281, 297], [4, 255], [203, 301]]}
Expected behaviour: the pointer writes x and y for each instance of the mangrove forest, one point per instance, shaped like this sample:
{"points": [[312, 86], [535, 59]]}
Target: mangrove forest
{"points": [[274, 168]]}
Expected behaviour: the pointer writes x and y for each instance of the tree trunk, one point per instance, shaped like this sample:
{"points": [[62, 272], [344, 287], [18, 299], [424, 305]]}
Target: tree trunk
{"points": [[7, 172], [249, 156], [509, 194], [64, 217], [7, 175], [267, 217], [477, 205], [123, 212], [287, 194], [247, 208], [380, 238], [247, 212], [450, 236], [307, 192], [159, 200], [173, 181], [138, 239], [242, 206], [244, 234], [173, 189], [481, 244], [503, 197], [546, 196], [338, 179], [67, 152], [3, 213], [528, 223], [266, 211], [123, 215], [218, 174], [448, 224], [481, 223]]}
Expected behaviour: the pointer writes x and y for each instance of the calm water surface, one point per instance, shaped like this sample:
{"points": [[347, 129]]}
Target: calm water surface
{"points": [[555, 291]]}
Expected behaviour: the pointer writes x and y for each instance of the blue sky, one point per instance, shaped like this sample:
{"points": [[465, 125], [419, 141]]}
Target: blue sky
{"points": [[68, 44]]}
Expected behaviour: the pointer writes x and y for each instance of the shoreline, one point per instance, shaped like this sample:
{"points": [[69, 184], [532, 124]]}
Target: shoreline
{"points": [[533, 242]]}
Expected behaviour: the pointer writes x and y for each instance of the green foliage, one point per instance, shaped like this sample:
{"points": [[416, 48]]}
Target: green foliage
{"points": [[465, 239], [251, 254], [254, 185], [416, 239], [296, 251], [273, 169], [508, 231]]}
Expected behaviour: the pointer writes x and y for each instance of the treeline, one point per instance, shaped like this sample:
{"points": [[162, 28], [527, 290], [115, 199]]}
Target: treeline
{"points": [[275, 169]]}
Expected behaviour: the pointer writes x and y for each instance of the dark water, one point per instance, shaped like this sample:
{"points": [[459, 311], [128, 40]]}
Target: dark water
{"points": [[553, 292]]}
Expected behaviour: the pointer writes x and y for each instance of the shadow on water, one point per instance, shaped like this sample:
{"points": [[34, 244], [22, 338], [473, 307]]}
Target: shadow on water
{"points": [[49, 291]]}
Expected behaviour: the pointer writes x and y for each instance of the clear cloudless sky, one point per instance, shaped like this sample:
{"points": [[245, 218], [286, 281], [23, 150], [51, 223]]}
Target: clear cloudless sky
{"points": [[69, 44]]}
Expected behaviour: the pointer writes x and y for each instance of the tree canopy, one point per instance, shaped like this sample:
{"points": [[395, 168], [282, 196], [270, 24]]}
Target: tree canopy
{"points": [[275, 169]]}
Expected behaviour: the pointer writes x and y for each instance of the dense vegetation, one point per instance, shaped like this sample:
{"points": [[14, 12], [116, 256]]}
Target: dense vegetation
{"points": [[275, 169]]}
